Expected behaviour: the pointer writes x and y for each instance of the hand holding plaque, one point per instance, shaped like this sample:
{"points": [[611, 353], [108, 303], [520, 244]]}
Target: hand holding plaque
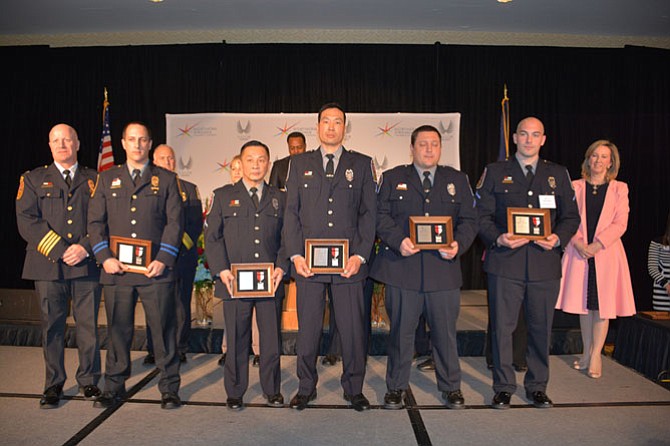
{"points": [[252, 280], [327, 256], [135, 254], [432, 232], [529, 223]]}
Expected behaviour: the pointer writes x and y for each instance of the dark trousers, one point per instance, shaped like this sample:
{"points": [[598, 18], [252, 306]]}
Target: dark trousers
{"points": [[441, 310], [54, 301], [538, 299], [350, 315], [334, 345], [159, 308], [519, 341], [237, 313], [183, 292]]}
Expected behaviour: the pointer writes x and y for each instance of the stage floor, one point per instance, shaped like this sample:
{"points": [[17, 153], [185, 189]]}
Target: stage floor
{"points": [[623, 407]]}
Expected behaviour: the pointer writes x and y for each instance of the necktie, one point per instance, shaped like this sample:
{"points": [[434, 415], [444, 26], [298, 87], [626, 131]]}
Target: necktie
{"points": [[529, 174], [330, 166], [426, 181], [136, 176], [254, 196], [66, 177]]}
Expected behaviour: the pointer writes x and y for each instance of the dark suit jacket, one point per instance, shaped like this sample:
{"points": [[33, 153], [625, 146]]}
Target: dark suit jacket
{"points": [[504, 185], [279, 172], [188, 253], [342, 207], [51, 217], [401, 196]]}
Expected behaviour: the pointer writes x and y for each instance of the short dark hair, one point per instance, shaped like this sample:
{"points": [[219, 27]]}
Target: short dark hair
{"points": [[123, 133], [424, 128], [255, 143], [296, 135], [325, 107]]}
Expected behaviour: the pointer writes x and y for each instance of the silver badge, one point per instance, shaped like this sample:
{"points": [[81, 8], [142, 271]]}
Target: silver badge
{"points": [[275, 203], [349, 175], [451, 189], [552, 182]]}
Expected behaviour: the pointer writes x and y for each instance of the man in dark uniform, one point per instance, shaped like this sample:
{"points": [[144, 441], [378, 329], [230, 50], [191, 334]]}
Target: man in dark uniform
{"points": [[521, 272], [423, 281], [51, 211], [296, 145], [331, 195], [188, 254], [138, 200], [244, 226]]}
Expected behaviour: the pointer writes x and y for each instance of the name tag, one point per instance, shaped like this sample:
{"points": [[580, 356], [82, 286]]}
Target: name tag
{"points": [[547, 201]]}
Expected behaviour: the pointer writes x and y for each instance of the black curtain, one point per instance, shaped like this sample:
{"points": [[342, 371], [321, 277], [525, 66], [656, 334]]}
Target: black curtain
{"points": [[581, 95]]}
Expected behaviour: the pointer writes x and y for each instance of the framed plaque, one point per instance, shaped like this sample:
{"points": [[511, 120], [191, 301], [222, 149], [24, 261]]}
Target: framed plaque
{"points": [[529, 223], [431, 232], [252, 280], [132, 252], [327, 256]]}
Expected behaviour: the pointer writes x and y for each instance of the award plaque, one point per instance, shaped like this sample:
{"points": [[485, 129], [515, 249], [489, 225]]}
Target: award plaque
{"points": [[327, 256], [133, 253], [431, 232], [530, 223], [252, 280]]}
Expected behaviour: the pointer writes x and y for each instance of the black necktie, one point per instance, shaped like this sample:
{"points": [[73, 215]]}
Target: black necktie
{"points": [[529, 174], [66, 177], [136, 176], [254, 196], [426, 181], [330, 166]]}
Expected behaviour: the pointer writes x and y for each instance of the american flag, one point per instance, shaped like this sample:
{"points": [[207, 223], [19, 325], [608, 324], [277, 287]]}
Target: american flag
{"points": [[105, 153]]}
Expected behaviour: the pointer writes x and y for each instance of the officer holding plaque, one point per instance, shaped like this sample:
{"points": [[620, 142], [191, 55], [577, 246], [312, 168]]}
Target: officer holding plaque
{"points": [[135, 226], [523, 259], [243, 240], [419, 262]]}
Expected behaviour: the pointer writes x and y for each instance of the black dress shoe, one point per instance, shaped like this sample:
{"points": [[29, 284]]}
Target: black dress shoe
{"points": [[107, 400], [90, 392], [257, 361], [276, 400], [501, 400], [454, 399], [299, 401], [222, 359], [329, 360], [149, 359], [234, 403], [427, 365], [489, 366], [393, 399], [51, 397], [359, 402], [540, 399], [520, 368], [170, 400], [182, 357]]}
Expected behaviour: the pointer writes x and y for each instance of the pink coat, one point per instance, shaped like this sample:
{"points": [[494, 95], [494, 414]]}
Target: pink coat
{"points": [[615, 292]]}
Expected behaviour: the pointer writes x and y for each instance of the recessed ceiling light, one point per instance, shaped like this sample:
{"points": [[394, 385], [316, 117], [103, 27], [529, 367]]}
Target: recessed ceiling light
{"points": [[156, 1], [504, 1]]}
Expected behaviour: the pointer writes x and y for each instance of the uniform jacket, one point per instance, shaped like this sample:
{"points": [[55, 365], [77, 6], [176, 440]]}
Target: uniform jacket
{"points": [[279, 172], [341, 207], [237, 232], [615, 291], [401, 195], [152, 210], [188, 252], [51, 217], [504, 185]]}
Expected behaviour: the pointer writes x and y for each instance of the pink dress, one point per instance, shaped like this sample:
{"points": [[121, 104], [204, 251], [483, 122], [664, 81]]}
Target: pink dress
{"points": [[615, 291]]}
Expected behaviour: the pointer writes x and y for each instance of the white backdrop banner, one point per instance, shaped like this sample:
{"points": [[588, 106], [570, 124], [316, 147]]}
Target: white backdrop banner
{"points": [[204, 143]]}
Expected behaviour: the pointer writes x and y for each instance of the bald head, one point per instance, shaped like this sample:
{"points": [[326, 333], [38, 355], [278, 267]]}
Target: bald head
{"points": [[530, 121], [164, 157], [64, 144], [529, 138]]}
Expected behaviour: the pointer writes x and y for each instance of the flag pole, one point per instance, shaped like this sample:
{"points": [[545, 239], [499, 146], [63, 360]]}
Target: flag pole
{"points": [[504, 105]]}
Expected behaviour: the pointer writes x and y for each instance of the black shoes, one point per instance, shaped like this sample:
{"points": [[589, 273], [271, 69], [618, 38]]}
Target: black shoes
{"points": [[234, 403], [107, 399], [276, 400], [520, 368], [427, 366], [454, 399], [182, 357], [299, 401], [51, 397], [149, 359], [222, 359], [359, 402], [393, 399], [329, 360], [540, 399], [90, 392], [256, 362], [501, 400], [170, 400]]}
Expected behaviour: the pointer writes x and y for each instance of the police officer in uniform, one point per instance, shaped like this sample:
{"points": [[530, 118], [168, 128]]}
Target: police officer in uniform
{"points": [[244, 226], [51, 211], [138, 200], [523, 272], [331, 195], [188, 254], [423, 281]]}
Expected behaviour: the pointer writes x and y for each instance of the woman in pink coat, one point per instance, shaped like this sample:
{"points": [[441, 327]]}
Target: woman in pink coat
{"points": [[596, 279]]}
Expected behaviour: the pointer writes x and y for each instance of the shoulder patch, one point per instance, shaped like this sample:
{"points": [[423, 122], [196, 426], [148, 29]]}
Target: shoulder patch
{"points": [[480, 183], [19, 194], [91, 186]]}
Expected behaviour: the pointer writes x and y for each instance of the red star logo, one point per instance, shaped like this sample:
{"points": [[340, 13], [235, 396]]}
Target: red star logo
{"points": [[385, 131], [185, 131], [285, 130]]}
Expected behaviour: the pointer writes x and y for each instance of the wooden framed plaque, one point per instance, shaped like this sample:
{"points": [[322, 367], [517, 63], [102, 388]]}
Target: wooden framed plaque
{"points": [[327, 256], [252, 280], [132, 252], [431, 232], [530, 223]]}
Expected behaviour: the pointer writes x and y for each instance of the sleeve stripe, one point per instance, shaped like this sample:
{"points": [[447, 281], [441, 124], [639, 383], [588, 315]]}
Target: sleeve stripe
{"points": [[187, 241], [48, 242], [100, 246], [169, 249]]}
